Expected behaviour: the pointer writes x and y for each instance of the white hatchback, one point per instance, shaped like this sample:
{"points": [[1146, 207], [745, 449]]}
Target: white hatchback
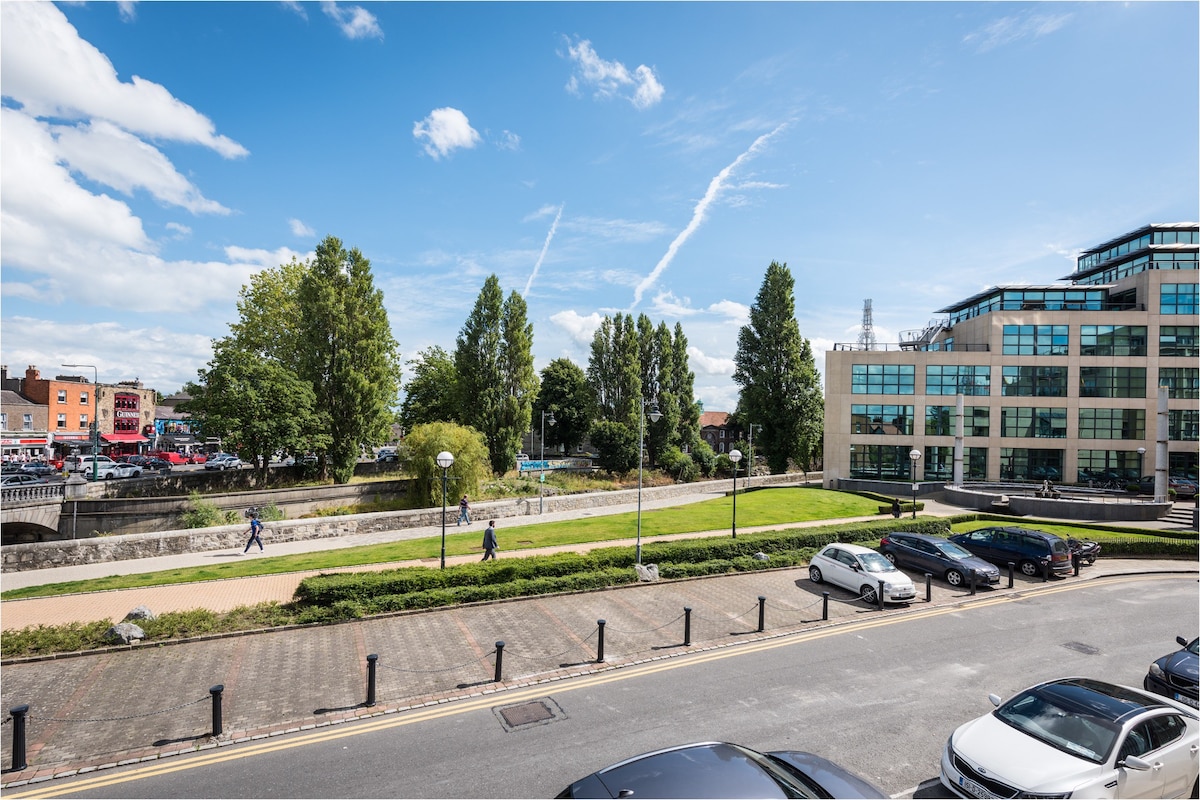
{"points": [[861, 570]]}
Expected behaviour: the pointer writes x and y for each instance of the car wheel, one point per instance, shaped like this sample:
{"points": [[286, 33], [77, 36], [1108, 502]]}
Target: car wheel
{"points": [[890, 557], [1030, 568], [869, 594], [814, 574], [954, 577]]}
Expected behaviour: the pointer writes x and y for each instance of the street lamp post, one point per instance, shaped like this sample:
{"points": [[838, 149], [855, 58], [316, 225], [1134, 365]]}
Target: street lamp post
{"points": [[655, 416], [1141, 451], [542, 477], [735, 456], [915, 455], [445, 460], [95, 416]]}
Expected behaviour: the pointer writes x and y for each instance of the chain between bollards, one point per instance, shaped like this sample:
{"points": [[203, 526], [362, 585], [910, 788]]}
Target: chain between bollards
{"points": [[371, 661], [18, 750], [217, 725]]}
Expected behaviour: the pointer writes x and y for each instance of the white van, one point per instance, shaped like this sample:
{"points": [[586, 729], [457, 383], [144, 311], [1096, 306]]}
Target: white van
{"points": [[84, 463]]}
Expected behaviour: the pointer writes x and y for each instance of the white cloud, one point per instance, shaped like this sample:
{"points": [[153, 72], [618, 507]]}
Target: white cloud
{"points": [[255, 259], [445, 130], [508, 141], [127, 9], [734, 311], [300, 229], [581, 329], [180, 231], [666, 304], [52, 72], [355, 21], [612, 78], [706, 365], [620, 230], [296, 7], [1006, 30]]}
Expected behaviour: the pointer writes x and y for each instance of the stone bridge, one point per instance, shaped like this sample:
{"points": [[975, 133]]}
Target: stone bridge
{"points": [[32, 513]]}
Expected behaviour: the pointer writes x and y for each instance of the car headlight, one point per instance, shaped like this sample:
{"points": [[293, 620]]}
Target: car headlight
{"points": [[1157, 671]]}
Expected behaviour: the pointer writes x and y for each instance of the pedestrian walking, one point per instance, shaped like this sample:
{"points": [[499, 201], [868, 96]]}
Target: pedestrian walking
{"points": [[490, 546], [256, 527], [896, 507], [464, 511]]}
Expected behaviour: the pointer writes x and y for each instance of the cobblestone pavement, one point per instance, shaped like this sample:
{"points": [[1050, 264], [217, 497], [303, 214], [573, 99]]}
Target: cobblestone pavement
{"points": [[83, 714]]}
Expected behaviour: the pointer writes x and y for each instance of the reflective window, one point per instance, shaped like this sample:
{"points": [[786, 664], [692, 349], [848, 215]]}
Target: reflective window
{"points": [[1112, 381], [881, 420], [1040, 423], [1034, 381], [1112, 423], [883, 379], [1030, 464], [1178, 340], [940, 420], [939, 463], [1035, 340], [1098, 467], [1112, 340], [1177, 298], [1184, 424], [882, 462], [958, 379], [1183, 383]]}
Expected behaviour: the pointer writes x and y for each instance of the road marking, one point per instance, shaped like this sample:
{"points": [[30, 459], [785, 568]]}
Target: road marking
{"points": [[508, 696]]}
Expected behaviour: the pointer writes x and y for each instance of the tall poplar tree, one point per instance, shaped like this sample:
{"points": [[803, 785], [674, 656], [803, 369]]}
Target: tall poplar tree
{"points": [[347, 353], [778, 389]]}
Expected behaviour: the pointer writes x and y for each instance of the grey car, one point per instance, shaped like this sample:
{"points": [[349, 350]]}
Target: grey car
{"points": [[719, 769], [937, 556]]}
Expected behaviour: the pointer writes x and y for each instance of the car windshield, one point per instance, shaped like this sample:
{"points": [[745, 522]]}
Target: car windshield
{"points": [[874, 562], [1061, 725], [1194, 647], [953, 550]]}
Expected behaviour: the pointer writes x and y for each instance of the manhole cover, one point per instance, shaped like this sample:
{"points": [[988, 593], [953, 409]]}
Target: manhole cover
{"points": [[536, 712], [1080, 647]]}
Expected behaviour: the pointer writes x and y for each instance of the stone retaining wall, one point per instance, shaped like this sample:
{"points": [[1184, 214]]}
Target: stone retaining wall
{"points": [[43, 555]]}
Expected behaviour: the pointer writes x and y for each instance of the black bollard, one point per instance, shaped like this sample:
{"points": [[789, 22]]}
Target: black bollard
{"points": [[972, 581], [371, 659], [1011, 568], [18, 750], [879, 594], [762, 613], [1075, 562], [600, 642], [824, 606], [1045, 570], [499, 659], [687, 626], [928, 587], [217, 727]]}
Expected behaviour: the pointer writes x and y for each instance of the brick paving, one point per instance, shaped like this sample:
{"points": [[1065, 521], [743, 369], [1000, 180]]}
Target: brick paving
{"points": [[123, 705]]}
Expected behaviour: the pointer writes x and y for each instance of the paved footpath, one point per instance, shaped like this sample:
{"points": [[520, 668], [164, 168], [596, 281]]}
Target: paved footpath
{"points": [[82, 716]]}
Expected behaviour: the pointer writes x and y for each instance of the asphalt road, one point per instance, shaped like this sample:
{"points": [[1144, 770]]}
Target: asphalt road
{"points": [[879, 696]]}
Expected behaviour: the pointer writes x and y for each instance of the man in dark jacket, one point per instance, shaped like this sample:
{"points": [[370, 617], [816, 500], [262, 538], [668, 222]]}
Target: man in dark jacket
{"points": [[490, 546]]}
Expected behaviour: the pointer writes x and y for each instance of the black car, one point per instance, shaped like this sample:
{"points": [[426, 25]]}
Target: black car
{"points": [[937, 556], [718, 769], [152, 463], [1030, 550], [1175, 674]]}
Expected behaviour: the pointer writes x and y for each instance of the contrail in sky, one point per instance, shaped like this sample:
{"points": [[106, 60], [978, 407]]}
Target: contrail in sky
{"points": [[714, 188], [545, 247]]}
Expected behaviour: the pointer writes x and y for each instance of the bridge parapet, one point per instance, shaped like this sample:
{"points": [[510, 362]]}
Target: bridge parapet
{"points": [[33, 494]]}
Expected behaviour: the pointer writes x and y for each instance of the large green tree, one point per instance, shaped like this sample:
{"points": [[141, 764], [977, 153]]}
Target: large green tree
{"points": [[429, 395], [496, 381], [347, 353], [470, 467], [565, 392], [780, 389]]}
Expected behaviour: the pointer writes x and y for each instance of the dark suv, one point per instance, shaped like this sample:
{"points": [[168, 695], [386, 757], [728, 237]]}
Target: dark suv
{"points": [[1030, 550]]}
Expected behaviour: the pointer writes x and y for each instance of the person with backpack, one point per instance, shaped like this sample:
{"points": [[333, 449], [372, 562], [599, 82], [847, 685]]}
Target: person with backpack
{"points": [[256, 527]]}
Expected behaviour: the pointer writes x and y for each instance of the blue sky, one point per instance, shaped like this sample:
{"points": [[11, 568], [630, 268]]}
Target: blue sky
{"points": [[599, 158]]}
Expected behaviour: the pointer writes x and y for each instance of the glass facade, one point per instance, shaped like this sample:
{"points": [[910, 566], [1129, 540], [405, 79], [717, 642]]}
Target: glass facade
{"points": [[1108, 466], [940, 420], [1034, 381], [958, 379], [1112, 423], [882, 420], [1112, 340], [1035, 340], [1048, 299], [1178, 340], [1183, 424], [881, 462], [1177, 298], [1112, 382], [939, 463], [1183, 383], [883, 379], [1028, 464], [1037, 423]]}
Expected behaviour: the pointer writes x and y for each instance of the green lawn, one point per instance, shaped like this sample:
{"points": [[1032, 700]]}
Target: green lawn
{"points": [[754, 508]]}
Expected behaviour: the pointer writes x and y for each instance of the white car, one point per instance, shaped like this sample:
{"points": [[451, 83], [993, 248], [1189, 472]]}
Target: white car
{"points": [[860, 569], [84, 463], [116, 470], [1076, 737], [223, 461]]}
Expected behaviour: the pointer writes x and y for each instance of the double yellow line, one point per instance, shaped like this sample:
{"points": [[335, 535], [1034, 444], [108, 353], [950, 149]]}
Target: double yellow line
{"points": [[506, 697]]}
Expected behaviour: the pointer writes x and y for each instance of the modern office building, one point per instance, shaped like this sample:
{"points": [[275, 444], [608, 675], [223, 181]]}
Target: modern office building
{"points": [[1060, 382]]}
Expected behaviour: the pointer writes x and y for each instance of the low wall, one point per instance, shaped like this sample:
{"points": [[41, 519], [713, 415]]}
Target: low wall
{"points": [[1064, 507], [101, 549]]}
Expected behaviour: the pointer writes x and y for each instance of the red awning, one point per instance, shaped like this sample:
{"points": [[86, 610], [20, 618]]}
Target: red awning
{"points": [[123, 437]]}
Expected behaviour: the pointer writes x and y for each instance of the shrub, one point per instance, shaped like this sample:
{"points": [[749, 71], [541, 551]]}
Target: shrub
{"points": [[201, 513]]}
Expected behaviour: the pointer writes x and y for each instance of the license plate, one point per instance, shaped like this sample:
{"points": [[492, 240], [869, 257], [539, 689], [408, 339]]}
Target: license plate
{"points": [[1183, 698], [974, 789]]}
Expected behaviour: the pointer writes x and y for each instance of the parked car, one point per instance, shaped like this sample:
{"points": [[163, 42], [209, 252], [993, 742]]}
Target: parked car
{"points": [[1075, 737], [133, 458], [84, 463], [170, 456], [156, 464], [386, 454], [197, 458], [116, 469], [1030, 550], [21, 479], [10, 468], [1175, 674], [1184, 487], [40, 468], [937, 556], [223, 461], [719, 769], [860, 569]]}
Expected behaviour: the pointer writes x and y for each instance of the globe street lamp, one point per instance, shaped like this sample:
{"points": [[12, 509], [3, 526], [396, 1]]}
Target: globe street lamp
{"points": [[542, 477], [445, 460], [915, 455], [655, 416], [95, 416], [1141, 451], [735, 456]]}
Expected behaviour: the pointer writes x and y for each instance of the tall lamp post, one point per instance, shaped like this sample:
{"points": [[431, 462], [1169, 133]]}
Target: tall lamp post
{"points": [[445, 460], [735, 456], [1141, 451], [655, 416], [915, 456], [542, 477], [95, 415]]}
